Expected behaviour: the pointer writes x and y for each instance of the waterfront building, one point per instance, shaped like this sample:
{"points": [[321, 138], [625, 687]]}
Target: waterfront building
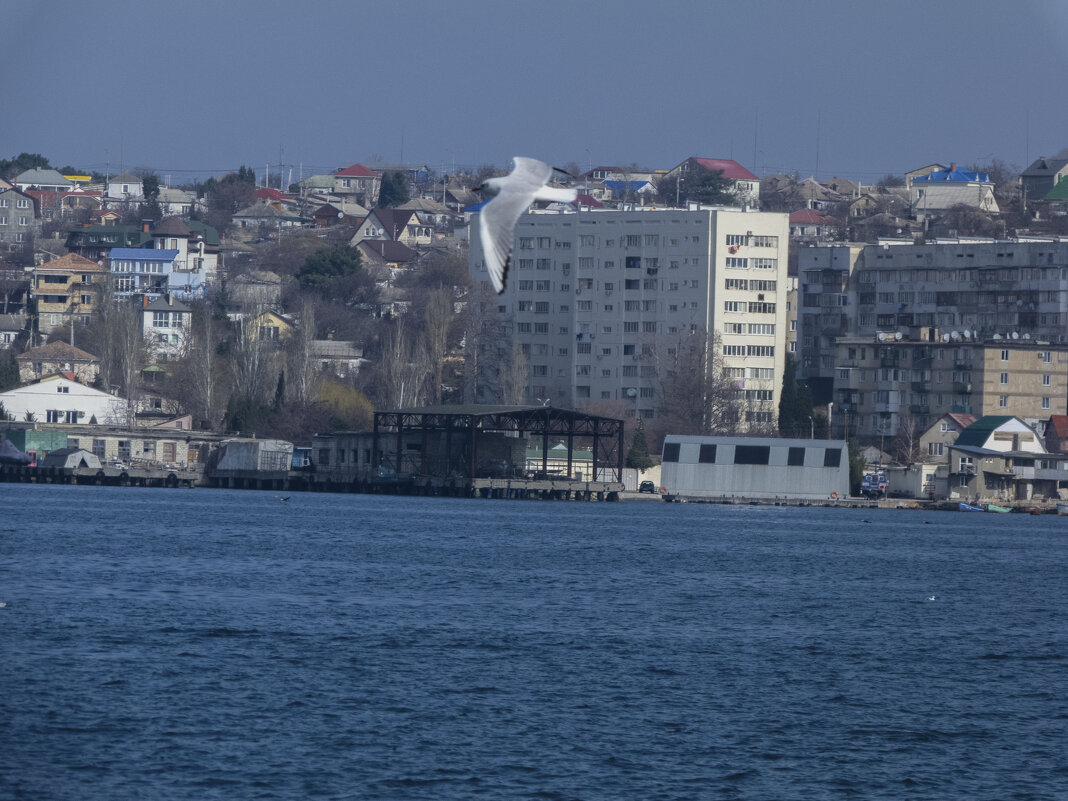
{"points": [[898, 387], [720, 468], [60, 399], [892, 301], [602, 304]]}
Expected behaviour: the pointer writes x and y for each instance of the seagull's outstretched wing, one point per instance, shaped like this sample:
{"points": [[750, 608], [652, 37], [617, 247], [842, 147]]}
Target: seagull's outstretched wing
{"points": [[496, 221]]}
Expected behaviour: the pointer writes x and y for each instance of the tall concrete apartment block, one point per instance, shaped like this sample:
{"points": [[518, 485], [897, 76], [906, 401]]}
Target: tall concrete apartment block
{"points": [[896, 334], [601, 301]]}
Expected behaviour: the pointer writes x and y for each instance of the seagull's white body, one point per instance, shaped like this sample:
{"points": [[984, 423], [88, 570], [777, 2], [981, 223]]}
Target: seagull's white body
{"points": [[512, 196]]}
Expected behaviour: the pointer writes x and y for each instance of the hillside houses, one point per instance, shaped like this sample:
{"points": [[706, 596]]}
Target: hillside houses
{"points": [[836, 270]]}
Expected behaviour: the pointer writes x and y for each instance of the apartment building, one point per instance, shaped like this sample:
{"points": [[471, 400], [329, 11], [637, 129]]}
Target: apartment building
{"points": [[889, 385], [600, 302], [66, 290], [976, 288]]}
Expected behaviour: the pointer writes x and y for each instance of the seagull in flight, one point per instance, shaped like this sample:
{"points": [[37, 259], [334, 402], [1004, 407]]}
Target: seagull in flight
{"points": [[512, 195]]}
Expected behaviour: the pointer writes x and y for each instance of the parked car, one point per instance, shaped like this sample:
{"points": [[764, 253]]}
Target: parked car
{"points": [[647, 486]]}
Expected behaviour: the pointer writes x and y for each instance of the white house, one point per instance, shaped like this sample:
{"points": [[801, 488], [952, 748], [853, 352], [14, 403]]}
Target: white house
{"points": [[126, 186], [58, 399], [754, 467], [165, 324], [196, 264], [143, 271], [940, 190]]}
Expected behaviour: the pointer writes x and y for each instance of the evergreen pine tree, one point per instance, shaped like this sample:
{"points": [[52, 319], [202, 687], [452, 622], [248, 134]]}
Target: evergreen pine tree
{"points": [[638, 455]]}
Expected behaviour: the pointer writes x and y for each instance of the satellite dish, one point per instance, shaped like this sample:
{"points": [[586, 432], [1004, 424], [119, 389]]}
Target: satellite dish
{"points": [[997, 336], [967, 334], [631, 392], [945, 337], [882, 337], [897, 335], [1015, 334], [1026, 336], [955, 335]]}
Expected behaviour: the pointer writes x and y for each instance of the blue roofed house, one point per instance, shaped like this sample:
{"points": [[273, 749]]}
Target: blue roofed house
{"points": [[642, 191], [940, 190], [143, 271]]}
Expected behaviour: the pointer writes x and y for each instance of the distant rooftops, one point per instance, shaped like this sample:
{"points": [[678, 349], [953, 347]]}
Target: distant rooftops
{"points": [[953, 173]]}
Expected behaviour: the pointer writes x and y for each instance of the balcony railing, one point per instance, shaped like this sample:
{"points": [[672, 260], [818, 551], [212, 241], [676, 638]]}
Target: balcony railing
{"points": [[960, 388], [920, 386]]}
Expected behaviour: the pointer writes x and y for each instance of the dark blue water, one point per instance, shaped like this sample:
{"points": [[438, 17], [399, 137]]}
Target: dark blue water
{"points": [[198, 644]]}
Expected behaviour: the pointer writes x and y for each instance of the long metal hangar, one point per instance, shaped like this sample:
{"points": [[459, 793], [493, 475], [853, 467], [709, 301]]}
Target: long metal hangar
{"points": [[490, 442]]}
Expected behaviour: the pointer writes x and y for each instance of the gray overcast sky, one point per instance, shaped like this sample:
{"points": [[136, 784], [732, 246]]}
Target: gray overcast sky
{"points": [[833, 87]]}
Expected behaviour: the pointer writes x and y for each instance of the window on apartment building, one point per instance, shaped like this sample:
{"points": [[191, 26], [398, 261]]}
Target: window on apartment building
{"points": [[1003, 401], [124, 449], [1004, 379], [1045, 403], [545, 241], [1005, 355]]}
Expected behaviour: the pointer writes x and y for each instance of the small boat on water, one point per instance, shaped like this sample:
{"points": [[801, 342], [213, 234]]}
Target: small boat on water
{"points": [[967, 507], [1062, 508], [990, 507]]}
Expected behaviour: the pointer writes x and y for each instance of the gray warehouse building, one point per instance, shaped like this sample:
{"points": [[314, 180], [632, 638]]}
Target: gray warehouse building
{"points": [[711, 468]]}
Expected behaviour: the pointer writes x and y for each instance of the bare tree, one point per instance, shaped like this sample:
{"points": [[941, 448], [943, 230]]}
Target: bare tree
{"points": [[697, 394], [252, 361], [402, 373], [514, 375], [195, 377], [906, 445], [132, 352], [438, 315], [299, 356]]}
